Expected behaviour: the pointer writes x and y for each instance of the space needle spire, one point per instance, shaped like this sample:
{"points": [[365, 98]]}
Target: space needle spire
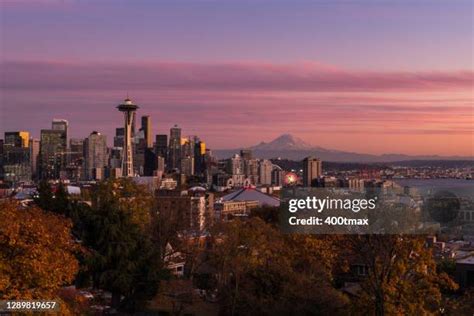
{"points": [[127, 107]]}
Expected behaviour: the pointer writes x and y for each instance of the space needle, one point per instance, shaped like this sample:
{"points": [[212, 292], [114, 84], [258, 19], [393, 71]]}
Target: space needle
{"points": [[127, 161]]}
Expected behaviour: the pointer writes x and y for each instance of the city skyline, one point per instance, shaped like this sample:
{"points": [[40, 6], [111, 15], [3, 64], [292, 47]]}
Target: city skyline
{"points": [[371, 88]]}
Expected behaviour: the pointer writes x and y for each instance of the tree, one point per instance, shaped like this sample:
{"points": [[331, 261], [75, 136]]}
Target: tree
{"points": [[58, 202], [130, 198], [463, 304], [268, 214], [261, 271], [61, 202], [123, 259], [402, 276], [36, 252], [44, 198]]}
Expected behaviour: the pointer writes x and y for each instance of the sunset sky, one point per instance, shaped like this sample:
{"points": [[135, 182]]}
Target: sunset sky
{"points": [[365, 76]]}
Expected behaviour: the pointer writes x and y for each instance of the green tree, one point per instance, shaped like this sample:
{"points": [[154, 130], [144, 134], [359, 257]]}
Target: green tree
{"points": [[44, 197], [57, 202], [123, 259]]}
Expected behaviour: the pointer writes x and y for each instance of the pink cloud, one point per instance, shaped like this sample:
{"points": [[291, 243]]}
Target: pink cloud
{"points": [[236, 76], [330, 107]]}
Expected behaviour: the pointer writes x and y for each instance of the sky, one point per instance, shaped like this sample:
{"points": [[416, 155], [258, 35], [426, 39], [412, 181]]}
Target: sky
{"points": [[364, 76]]}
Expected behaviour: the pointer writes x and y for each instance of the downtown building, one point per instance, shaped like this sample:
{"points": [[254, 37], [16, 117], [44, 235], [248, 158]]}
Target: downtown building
{"points": [[34, 146], [95, 156], [193, 209], [174, 160], [265, 169], [53, 148], [161, 145], [16, 157], [75, 159], [312, 171]]}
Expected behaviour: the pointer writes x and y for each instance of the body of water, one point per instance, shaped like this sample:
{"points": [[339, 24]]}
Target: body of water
{"points": [[460, 187]]}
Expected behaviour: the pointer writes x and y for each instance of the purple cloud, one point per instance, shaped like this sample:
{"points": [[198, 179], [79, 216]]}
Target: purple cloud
{"points": [[221, 77]]}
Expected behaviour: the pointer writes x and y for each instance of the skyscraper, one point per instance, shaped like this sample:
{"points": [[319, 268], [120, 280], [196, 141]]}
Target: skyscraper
{"points": [[160, 164], [251, 170], [95, 156], [175, 148], [128, 109], [34, 156], [161, 145], [199, 155], [146, 128], [52, 153], [265, 168], [75, 159], [1, 160], [119, 137], [187, 166], [17, 139], [187, 146], [151, 162], [16, 157], [277, 176], [235, 165], [246, 154], [61, 125], [312, 170], [76, 150]]}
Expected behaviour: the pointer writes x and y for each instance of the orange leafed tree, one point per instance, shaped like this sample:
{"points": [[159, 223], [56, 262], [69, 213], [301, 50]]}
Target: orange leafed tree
{"points": [[36, 252]]}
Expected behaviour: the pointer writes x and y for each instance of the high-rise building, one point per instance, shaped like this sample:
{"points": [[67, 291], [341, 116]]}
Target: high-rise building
{"points": [[119, 137], [312, 171], [235, 165], [251, 170], [141, 143], [246, 154], [139, 148], [199, 157], [161, 145], [265, 168], [160, 164], [115, 157], [187, 166], [16, 157], [187, 146], [1, 159], [175, 148], [61, 125], [52, 153], [128, 109], [194, 209], [76, 150], [17, 139], [151, 162], [75, 159], [34, 156], [146, 128], [278, 176], [95, 156]]}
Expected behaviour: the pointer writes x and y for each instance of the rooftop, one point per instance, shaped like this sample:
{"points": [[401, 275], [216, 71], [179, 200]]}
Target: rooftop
{"points": [[251, 194]]}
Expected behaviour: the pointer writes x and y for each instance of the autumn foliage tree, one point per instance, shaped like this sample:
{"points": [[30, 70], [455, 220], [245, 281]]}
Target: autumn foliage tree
{"points": [[36, 252], [402, 278], [261, 271]]}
